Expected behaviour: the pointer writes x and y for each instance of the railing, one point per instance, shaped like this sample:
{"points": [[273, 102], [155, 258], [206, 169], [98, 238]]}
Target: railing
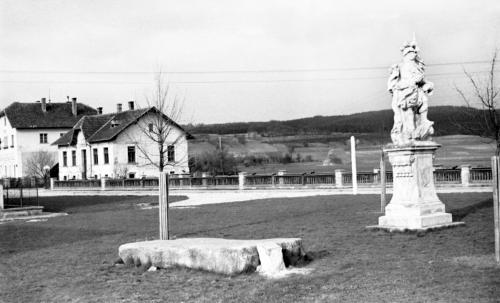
{"points": [[347, 178], [320, 179], [24, 182], [478, 176], [367, 178], [78, 183], [260, 180], [447, 176]]}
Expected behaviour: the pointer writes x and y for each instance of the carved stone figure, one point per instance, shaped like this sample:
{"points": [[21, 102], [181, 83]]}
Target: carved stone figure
{"points": [[409, 91]]}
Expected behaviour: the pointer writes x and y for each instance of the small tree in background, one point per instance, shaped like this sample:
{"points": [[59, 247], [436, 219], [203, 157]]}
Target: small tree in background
{"points": [[161, 129], [36, 164], [484, 122]]}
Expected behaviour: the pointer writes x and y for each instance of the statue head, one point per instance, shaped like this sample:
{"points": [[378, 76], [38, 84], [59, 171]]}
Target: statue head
{"points": [[410, 50]]}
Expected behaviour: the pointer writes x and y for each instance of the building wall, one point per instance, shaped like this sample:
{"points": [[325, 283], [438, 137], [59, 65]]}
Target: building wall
{"points": [[21, 145], [118, 165]]}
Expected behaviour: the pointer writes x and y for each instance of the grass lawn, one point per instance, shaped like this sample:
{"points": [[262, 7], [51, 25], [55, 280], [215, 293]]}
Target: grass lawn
{"points": [[70, 258]]}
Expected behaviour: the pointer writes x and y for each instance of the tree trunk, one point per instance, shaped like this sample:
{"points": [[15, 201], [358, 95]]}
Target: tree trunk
{"points": [[161, 163]]}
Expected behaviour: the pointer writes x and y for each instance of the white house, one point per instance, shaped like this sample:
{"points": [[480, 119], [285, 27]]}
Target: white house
{"points": [[116, 146], [27, 128]]}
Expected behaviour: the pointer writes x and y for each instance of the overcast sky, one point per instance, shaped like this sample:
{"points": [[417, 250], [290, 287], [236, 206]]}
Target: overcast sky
{"points": [[276, 59]]}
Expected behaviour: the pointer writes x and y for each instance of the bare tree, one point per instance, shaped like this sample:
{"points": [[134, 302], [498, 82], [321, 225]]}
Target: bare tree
{"points": [[36, 165], [485, 121], [120, 170], [161, 128]]}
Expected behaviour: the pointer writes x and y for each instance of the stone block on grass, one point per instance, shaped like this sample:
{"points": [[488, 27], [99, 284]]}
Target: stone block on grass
{"points": [[223, 256]]}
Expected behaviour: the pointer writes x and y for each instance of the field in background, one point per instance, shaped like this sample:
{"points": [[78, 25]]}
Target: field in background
{"points": [[70, 259], [455, 151]]}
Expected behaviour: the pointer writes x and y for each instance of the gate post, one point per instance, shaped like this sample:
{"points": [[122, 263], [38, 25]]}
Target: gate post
{"points": [[241, 180], [52, 180], [465, 174], [281, 180], [204, 177], [339, 182], [103, 183]]}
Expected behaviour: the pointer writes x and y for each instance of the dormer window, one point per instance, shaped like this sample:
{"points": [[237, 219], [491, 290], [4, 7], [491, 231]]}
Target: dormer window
{"points": [[114, 123]]}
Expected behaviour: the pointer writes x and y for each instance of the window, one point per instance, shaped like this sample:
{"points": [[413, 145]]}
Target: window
{"points": [[150, 127], [5, 143], [65, 158], [106, 155], [65, 178], [170, 153], [131, 175], [73, 157], [11, 140], [43, 138], [61, 134], [96, 159], [131, 154]]}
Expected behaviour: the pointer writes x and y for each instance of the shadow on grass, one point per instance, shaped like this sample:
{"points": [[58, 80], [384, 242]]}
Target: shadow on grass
{"points": [[20, 238], [88, 204], [460, 213]]}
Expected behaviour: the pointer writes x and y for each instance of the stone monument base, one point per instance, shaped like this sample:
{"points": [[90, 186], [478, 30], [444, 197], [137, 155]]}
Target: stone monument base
{"points": [[414, 204]]}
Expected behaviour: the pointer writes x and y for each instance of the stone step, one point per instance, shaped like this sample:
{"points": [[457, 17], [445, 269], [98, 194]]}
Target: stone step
{"points": [[16, 212]]}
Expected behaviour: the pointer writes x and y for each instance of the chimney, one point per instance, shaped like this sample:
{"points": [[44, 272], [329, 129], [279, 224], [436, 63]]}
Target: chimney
{"points": [[119, 107], [73, 107], [99, 110], [44, 105], [131, 105]]}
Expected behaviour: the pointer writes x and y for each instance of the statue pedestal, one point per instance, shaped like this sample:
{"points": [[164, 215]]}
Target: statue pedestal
{"points": [[414, 204]]}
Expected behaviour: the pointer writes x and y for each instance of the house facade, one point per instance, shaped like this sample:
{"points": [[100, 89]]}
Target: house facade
{"points": [[29, 128], [117, 146]]}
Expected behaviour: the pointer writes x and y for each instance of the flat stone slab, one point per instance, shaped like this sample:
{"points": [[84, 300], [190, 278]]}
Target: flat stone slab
{"points": [[421, 229], [43, 215], [225, 256]]}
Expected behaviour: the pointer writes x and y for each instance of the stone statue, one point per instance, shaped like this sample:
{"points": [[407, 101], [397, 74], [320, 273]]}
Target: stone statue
{"points": [[409, 91]]}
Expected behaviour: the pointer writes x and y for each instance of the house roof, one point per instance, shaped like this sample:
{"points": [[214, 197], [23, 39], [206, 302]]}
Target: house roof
{"points": [[57, 115], [102, 128]]}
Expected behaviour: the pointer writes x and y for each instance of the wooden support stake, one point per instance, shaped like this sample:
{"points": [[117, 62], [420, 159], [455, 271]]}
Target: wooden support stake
{"points": [[163, 205], [496, 206], [383, 201], [353, 165]]}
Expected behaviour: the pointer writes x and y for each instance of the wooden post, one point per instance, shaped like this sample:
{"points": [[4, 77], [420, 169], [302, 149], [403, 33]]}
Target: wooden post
{"points": [[354, 170], [383, 201], [163, 205], [1, 197], [496, 206]]}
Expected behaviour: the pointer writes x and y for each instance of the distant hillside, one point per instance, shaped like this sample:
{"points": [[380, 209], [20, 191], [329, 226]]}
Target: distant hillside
{"points": [[446, 119]]}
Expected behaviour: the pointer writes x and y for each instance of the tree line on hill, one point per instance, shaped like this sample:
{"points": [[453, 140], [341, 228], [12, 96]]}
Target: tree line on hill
{"points": [[447, 121]]}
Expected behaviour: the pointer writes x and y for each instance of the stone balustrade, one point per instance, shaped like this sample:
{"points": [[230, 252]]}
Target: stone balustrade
{"points": [[464, 176]]}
